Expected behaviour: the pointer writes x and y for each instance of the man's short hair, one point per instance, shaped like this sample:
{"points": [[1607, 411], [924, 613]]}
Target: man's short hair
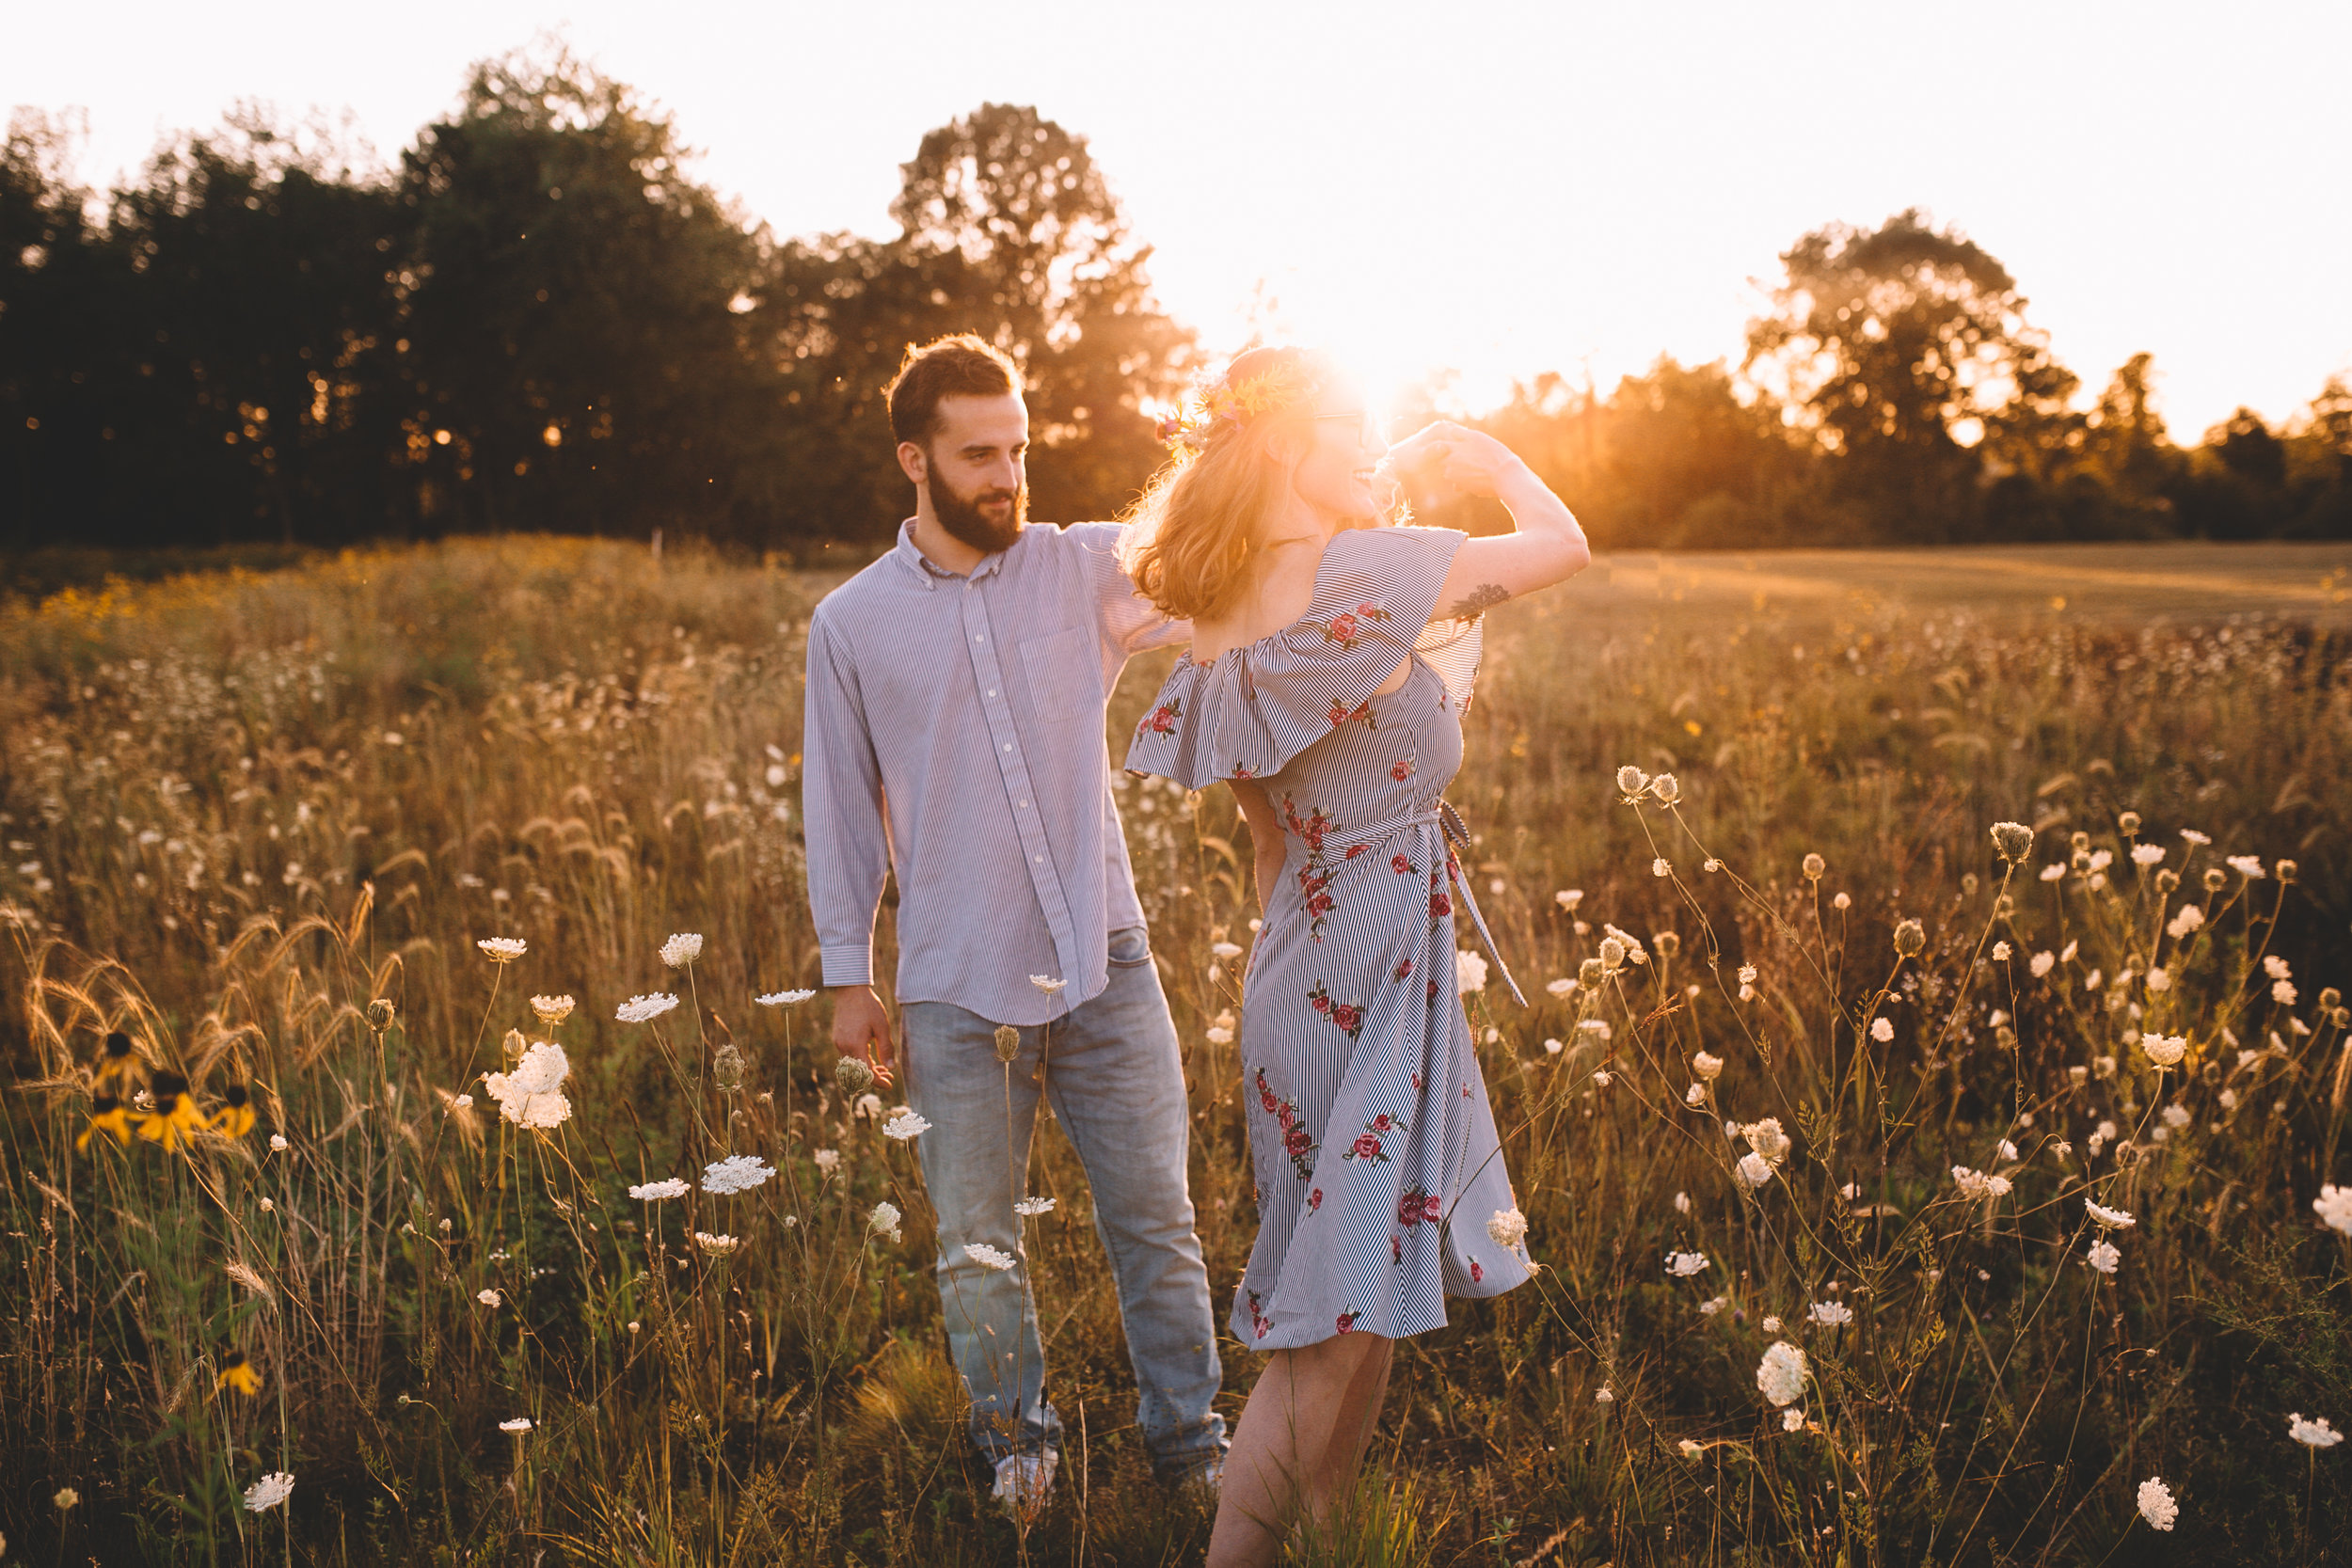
{"points": [[961, 365]]}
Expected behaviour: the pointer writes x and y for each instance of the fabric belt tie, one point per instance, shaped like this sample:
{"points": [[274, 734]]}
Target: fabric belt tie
{"points": [[1450, 821]]}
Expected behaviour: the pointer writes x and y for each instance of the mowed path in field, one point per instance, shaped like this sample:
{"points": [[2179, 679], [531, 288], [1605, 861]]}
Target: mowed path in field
{"points": [[2109, 584]]}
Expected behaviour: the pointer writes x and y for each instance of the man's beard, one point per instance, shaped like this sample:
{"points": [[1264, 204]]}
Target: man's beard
{"points": [[962, 517]]}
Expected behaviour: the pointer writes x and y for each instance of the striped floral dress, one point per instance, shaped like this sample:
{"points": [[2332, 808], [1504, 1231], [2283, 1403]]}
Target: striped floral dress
{"points": [[1377, 1160]]}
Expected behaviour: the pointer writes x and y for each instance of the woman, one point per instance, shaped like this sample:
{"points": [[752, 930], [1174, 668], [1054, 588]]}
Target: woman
{"points": [[1330, 662]]}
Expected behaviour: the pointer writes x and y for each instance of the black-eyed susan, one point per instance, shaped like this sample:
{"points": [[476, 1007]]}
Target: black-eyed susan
{"points": [[235, 1118], [175, 1117], [238, 1373], [117, 1059], [106, 1115]]}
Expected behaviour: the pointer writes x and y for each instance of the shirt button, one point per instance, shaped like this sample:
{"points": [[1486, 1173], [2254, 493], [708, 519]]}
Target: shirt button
{"points": [[1008, 745], [978, 639], [991, 691], [1024, 806], [1040, 859]]}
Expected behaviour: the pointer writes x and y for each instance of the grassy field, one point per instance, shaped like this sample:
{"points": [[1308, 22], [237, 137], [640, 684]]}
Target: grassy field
{"points": [[258, 823]]}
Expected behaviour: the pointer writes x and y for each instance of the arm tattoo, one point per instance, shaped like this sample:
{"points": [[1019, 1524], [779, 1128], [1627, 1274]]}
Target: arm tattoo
{"points": [[1479, 600]]}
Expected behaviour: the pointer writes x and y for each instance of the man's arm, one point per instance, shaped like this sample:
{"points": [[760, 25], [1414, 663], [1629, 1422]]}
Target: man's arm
{"points": [[849, 854], [1130, 623]]}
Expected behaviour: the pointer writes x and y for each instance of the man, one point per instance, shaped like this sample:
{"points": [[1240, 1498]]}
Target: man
{"points": [[954, 731]]}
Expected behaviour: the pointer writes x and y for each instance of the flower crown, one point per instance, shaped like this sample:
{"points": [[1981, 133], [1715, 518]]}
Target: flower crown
{"points": [[1286, 384]]}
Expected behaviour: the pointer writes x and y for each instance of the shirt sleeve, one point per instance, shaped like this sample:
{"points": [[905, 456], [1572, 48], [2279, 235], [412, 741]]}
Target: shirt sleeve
{"points": [[1130, 623], [841, 811]]}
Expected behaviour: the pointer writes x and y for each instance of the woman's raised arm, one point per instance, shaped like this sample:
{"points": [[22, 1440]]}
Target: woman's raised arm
{"points": [[1546, 546]]}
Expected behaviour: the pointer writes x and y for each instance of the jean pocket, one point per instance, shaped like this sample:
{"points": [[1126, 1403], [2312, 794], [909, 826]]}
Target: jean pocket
{"points": [[1131, 948], [1064, 678]]}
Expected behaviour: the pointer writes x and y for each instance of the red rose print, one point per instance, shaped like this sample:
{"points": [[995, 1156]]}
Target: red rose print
{"points": [[1161, 719], [1396, 1249], [1431, 1210], [1296, 1141], [1408, 1208], [1404, 969], [1342, 630], [1477, 1273], [1348, 1018], [1433, 993], [1322, 1003], [1381, 1122], [1348, 1321], [1439, 906], [1401, 771], [1314, 1200], [1356, 850], [1402, 866], [1366, 1147], [1370, 611]]}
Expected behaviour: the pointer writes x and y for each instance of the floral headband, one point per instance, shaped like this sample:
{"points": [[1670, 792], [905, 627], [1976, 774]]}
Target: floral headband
{"points": [[1285, 385]]}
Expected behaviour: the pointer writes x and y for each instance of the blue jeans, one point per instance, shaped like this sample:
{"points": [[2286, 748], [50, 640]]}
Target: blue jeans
{"points": [[1117, 1085]]}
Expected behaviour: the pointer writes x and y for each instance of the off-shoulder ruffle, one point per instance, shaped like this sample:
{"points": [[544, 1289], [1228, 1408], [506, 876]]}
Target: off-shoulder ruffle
{"points": [[1259, 704]]}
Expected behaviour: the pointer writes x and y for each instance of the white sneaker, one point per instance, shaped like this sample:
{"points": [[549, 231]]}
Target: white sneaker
{"points": [[1024, 1484]]}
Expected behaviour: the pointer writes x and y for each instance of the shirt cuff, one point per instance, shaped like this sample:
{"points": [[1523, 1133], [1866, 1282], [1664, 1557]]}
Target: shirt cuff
{"points": [[850, 964]]}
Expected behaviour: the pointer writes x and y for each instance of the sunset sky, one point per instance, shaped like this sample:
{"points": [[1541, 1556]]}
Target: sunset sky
{"points": [[1504, 189]]}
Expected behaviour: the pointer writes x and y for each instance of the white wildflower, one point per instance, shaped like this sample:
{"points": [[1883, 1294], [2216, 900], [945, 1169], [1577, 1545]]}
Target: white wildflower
{"points": [[1469, 972], [1682, 1203], [1046, 983], [461, 1102], [1696, 1096], [2109, 1219], [1508, 1228], [784, 998], [1781, 1374], [1682, 1265], [1225, 949], [1660, 867], [2147, 854], [2315, 1434], [1831, 1314], [269, 1491], [2053, 871], [277, 1144], [737, 1173], [489, 1298], [2194, 836], [656, 1192], [1979, 1184], [1030, 1208], [1689, 1450], [1561, 987], [866, 1107], [2334, 1206], [988, 1257], [828, 1161], [904, 1124], [682, 948], [530, 1095], [1602, 1396], [718, 1246], [2000, 952], [2189, 918], [1713, 1305], [885, 1220], [1707, 1067], [1792, 1419], [1569, 897], [2250, 866], [2157, 1505], [1766, 1138], [2105, 1256], [2165, 1051], [552, 1010], [643, 1009], [1881, 1030], [519, 1425], [1753, 1169], [501, 950], [2283, 992]]}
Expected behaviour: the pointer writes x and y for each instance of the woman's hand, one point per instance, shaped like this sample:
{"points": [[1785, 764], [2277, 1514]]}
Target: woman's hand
{"points": [[1466, 462]]}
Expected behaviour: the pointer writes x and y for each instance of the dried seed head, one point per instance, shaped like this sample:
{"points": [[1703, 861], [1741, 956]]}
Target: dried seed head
{"points": [[514, 1045], [1666, 788], [1814, 866], [1611, 953], [1666, 945], [1008, 1043], [2284, 870], [1631, 780], [854, 1076], [2005, 907], [2012, 841], [2080, 859], [1910, 939], [2129, 822], [1591, 973], [726, 1069], [380, 1014], [2167, 879], [2330, 999], [2215, 878], [2080, 843]]}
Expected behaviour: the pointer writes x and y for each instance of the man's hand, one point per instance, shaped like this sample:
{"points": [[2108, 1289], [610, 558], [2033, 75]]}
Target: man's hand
{"points": [[861, 1027]]}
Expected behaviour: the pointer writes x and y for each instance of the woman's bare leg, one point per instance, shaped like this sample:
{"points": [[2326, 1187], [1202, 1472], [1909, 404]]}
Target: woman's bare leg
{"points": [[1305, 1421], [1366, 1393]]}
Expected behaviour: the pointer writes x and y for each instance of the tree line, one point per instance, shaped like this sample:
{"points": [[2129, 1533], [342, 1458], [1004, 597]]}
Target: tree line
{"points": [[538, 319]]}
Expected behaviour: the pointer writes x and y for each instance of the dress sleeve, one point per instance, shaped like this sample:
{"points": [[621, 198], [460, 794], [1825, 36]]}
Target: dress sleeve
{"points": [[1262, 705]]}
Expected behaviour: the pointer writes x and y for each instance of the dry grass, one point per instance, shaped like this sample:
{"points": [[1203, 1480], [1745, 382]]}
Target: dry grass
{"points": [[217, 846]]}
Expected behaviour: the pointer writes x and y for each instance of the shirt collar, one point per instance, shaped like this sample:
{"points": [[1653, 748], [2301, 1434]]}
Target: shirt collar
{"points": [[930, 573]]}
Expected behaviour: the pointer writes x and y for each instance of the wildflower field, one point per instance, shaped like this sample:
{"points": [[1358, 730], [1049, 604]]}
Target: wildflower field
{"points": [[419, 1146]]}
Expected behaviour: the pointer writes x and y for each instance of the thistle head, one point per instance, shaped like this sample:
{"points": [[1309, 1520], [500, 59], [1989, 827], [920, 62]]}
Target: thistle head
{"points": [[854, 1076], [380, 1014], [1910, 939], [2012, 841], [1008, 1043]]}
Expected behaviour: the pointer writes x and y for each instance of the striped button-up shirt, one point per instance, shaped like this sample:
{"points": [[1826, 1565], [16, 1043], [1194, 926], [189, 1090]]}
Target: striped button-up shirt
{"points": [[954, 731]]}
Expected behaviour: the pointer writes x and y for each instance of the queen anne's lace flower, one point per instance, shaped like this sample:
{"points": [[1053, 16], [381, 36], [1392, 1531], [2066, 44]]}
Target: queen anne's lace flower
{"points": [[552, 1010], [501, 950], [519, 1425], [2105, 1256], [784, 998], [1782, 1372], [1979, 1184], [2109, 1219], [682, 948], [269, 1491], [2164, 1049], [2157, 1505], [1753, 1169], [1508, 1228], [718, 1246], [654, 1192], [1831, 1314], [988, 1257], [1708, 1068], [1469, 972], [1766, 1138], [1046, 983], [2334, 1206], [1881, 1030], [885, 1220], [1030, 1208], [1792, 1419], [644, 1009], [530, 1095], [904, 1124], [2246, 865], [2313, 1434], [737, 1173]]}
